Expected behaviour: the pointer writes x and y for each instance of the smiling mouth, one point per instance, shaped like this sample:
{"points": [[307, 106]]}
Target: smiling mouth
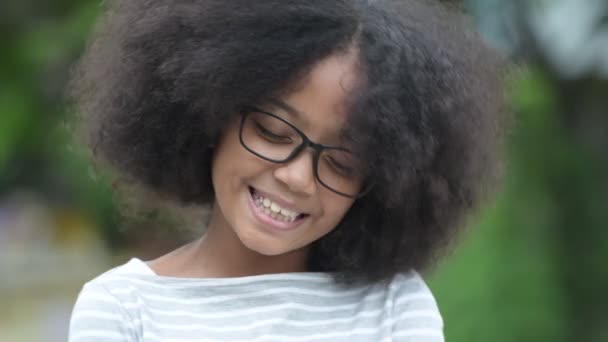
{"points": [[273, 213]]}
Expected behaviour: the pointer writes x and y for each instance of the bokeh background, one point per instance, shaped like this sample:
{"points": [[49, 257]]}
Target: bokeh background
{"points": [[532, 268]]}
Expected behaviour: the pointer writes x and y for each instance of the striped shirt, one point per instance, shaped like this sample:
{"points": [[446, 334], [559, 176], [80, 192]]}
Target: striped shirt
{"points": [[132, 303]]}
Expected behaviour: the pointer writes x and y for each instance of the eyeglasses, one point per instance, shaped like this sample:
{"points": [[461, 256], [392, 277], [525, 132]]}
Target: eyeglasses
{"points": [[274, 139]]}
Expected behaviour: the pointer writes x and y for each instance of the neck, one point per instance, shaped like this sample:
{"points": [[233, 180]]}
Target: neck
{"points": [[220, 253]]}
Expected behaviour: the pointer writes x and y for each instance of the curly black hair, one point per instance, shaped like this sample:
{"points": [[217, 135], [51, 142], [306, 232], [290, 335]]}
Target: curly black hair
{"points": [[162, 78]]}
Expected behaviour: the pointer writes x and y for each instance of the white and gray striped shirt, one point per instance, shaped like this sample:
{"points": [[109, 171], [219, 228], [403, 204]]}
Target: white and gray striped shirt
{"points": [[132, 303]]}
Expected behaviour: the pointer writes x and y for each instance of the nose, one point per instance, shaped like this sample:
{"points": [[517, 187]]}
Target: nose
{"points": [[298, 174]]}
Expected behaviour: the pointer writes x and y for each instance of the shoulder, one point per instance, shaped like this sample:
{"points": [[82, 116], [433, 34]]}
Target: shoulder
{"points": [[118, 280], [415, 313], [410, 285], [105, 307], [118, 284], [132, 267]]}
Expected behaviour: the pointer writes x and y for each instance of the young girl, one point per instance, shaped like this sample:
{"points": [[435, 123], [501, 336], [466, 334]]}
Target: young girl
{"points": [[340, 144]]}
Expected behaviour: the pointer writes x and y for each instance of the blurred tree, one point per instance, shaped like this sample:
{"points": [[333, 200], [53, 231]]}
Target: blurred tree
{"points": [[40, 42], [574, 59], [38, 151], [548, 234]]}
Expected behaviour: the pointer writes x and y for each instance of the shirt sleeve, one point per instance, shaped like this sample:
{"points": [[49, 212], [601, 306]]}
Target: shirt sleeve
{"points": [[98, 316], [416, 317]]}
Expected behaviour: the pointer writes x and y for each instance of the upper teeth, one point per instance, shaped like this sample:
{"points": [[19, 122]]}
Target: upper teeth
{"points": [[277, 209]]}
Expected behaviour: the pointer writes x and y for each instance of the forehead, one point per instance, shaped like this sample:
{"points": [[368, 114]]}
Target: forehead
{"points": [[318, 103]]}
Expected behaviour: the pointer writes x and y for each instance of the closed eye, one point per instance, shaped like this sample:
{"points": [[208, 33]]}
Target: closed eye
{"points": [[339, 167], [271, 136]]}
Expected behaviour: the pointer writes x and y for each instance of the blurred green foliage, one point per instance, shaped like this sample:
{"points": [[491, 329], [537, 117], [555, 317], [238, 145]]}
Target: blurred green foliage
{"points": [[533, 268], [37, 151]]}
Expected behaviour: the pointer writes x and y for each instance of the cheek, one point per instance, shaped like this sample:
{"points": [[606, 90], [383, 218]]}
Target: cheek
{"points": [[232, 163], [334, 209]]}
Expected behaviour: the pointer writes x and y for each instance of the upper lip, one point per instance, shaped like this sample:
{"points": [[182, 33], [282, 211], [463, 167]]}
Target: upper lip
{"points": [[279, 200]]}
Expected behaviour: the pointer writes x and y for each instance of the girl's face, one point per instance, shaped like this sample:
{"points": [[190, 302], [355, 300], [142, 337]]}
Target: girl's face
{"points": [[276, 208]]}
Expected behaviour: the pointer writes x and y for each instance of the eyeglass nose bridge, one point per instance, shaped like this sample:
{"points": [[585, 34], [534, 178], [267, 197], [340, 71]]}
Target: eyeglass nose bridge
{"points": [[307, 143]]}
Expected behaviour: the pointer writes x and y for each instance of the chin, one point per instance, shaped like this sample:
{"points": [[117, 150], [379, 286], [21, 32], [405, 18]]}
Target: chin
{"points": [[259, 242], [266, 249]]}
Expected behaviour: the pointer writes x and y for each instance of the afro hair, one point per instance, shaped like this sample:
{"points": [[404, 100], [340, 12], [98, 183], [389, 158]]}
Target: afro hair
{"points": [[161, 79]]}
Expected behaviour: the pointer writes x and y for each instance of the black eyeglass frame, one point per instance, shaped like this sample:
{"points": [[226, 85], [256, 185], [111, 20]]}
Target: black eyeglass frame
{"points": [[306, 142]]}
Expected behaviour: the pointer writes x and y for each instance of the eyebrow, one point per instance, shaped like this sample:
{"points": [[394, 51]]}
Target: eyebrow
{"points": [[290, 110], [286, 107]]}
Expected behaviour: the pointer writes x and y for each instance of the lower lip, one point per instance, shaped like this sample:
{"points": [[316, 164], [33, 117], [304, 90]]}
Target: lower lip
{"points": [[269, 221]]}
